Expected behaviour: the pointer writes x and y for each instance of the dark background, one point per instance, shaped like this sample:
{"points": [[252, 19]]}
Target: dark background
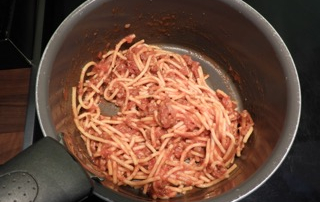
{"points": [[27, 25]]}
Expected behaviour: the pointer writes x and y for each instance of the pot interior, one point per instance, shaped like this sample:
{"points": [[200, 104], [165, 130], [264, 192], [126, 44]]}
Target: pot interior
{"points": [[236, 47]]}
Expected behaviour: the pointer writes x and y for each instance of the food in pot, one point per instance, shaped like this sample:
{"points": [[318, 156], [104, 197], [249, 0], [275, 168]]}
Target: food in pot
{"points": [[172, 132]]}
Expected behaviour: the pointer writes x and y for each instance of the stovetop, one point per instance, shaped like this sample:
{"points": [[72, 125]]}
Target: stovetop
{"points": [[298, 23]]}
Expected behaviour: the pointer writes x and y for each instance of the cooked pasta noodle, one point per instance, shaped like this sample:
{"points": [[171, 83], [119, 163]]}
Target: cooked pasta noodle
{"points": [[172, 133]]}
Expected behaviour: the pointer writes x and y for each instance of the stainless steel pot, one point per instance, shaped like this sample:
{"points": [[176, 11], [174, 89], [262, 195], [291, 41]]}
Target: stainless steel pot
{"points": [[240, 50]]}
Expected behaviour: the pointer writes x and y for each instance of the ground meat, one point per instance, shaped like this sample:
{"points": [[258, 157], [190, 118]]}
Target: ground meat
{"points": [[193, 65], [245, 121], [131, 65], [166, 115], [189, 123]]}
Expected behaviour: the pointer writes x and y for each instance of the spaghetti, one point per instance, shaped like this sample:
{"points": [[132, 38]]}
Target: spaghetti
{"points": [[172, 133]]}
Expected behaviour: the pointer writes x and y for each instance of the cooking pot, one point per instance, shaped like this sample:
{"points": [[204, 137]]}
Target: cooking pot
{"points": [[235, 45]]}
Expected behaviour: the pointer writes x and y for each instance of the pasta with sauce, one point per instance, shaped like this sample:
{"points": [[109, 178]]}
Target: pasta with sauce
{"points": [[172, 133]]}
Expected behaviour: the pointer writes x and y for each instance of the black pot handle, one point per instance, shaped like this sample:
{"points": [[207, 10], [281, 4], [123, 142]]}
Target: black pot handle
{"points": [[44, 172]]}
